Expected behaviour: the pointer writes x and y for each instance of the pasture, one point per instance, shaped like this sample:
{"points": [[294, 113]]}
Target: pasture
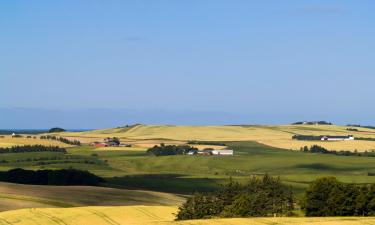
{"points": [[144, 215], [184, 174]]}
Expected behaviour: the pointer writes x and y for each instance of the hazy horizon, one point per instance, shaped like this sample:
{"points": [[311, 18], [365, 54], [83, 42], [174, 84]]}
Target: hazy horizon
{"points": [[95, 64], [108, 118]]}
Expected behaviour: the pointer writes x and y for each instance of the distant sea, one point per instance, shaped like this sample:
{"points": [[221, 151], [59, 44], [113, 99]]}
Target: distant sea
{"points": [[33, 131]]}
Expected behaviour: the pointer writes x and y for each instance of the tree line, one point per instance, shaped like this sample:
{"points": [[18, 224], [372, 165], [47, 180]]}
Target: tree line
{"points": [[260, 197], [329, 197], [164, 150], [32, 148], [322, 150], [61, 139], [267, 196], [50, 177]]}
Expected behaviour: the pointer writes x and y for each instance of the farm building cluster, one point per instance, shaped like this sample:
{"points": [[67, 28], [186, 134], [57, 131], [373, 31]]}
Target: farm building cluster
{"points": [[222, 152], [109, 142]]}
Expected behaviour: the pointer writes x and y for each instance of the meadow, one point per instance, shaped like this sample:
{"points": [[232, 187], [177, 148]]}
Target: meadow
{"points": [[185, 174]]}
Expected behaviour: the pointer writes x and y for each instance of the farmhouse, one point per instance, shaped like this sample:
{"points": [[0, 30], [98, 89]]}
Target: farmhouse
{"points": [[337, 138], [99, 144]]}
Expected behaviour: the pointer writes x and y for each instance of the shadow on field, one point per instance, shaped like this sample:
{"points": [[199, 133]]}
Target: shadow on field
{"points": [[319, 166], [173, 183]]}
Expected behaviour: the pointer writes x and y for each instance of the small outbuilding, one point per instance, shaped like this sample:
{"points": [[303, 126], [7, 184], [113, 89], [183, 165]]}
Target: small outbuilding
{"points": [[224, 152]]}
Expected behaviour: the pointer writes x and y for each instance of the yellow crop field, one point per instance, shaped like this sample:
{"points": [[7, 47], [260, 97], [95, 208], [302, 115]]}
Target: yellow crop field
{"points": [[144, 136], [143, 215], [8, 141]]}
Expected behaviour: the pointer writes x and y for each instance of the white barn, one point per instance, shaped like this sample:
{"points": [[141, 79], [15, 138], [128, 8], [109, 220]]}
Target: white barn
{"points": [[222, 152], [338, 138]]}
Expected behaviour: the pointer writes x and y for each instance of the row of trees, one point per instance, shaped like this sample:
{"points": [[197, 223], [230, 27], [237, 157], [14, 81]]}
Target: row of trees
{"points": [[32, 148], [61, 139], [50, 177], [322, 150], [329, 197], [164, 150], [307, 137], [265, 196]]}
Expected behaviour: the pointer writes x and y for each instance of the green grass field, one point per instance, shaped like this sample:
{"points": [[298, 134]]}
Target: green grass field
{"points": [[185, 174]]}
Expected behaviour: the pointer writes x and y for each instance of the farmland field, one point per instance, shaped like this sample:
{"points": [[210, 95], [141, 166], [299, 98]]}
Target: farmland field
{"points": [[18, 196], [185, 174], [8, 141], [148, 215], [135, 178], [276, 136]]}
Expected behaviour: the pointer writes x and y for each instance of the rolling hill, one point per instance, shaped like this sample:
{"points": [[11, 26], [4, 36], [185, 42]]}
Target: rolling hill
{"points": [[275, 136]]}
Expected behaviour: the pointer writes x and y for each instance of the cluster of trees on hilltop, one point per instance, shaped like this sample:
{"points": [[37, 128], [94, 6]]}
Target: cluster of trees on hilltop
{"points": [[322, 150], [260, 197], [163, 150], [61, 139], [312, 123], [56, 130], [50, 177], [329, 197], [32, 148]]}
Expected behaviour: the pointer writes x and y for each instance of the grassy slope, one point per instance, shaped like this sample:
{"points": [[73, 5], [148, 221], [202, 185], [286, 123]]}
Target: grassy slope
{"points": [[146, 215], [184, 174], [17, 196], [277, 136]]}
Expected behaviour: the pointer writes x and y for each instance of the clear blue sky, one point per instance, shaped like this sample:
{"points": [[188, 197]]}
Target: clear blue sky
{"points": [[106, 63]]}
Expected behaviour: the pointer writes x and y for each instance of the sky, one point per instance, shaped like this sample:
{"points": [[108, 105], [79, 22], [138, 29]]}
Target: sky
{"points": [[94, 64]]}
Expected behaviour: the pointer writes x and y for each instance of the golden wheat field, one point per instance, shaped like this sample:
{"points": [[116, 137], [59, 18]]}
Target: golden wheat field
{"points": [[144, 215], [8, 141], [277, 136]]}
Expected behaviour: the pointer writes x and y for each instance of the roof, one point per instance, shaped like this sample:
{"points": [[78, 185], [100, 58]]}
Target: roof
{"points": [[348, 136]]}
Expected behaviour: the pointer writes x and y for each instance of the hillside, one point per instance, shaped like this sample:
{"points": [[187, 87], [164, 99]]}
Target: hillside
{"points": [[276, 136], [143, 215], [18, 196]]}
